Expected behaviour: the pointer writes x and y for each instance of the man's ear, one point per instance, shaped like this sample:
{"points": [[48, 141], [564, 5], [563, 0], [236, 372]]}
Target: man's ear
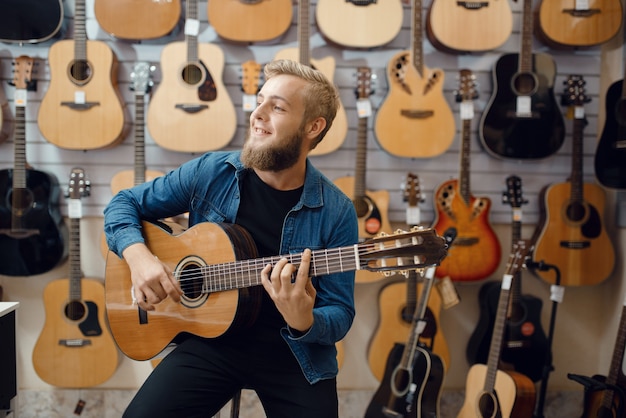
{"points": [[315, 127]]}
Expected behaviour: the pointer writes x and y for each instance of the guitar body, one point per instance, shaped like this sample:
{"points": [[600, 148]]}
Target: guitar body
{"points": [[337, 133], [475, 252], [137, 19], [597, 24], [506, 135], [395, 326], [571, 235], [454, 26], [428, 374], [250, 21], [178, 119], [31, 21], [524, 342], [414, 120], [593, 406], [515, 394], [72, 364], [35, 253], [102, 125], [610, 156], [356, 24]]}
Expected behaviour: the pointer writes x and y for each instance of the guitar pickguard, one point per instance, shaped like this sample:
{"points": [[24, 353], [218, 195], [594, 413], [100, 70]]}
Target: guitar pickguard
{"points": [[90, 327]]}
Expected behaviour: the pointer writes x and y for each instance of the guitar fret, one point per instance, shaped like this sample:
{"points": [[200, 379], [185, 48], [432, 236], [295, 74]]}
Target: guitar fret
{"points": [[80, 32], [418, 59]]}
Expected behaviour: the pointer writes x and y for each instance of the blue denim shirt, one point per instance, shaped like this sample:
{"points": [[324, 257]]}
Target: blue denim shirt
{"points": [[208, 188]]}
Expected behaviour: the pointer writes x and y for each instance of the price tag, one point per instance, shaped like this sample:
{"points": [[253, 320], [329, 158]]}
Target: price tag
{"points": [[507, 279], [579, 112], [467, 110], [249, 102], [192, 27], [413, 215], [20, 97], [74, 208], [364, 108], [523, 106]]}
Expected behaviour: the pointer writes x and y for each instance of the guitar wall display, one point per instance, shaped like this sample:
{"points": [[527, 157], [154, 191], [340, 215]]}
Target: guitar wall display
{"points": [[31, 21], [572, 231], [33, 234], [251, 75], [138, 19]]}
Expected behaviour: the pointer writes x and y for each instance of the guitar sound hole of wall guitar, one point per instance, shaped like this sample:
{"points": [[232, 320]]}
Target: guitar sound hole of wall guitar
{"points": [[80, 72], [525, 84], [192, 74]]}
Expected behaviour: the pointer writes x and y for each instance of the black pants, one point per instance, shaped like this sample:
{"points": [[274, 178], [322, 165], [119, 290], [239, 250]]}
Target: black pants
{"points": [[200, 376]]}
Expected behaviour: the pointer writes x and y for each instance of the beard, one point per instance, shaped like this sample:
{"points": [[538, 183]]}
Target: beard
{"points": [[273, 156]]}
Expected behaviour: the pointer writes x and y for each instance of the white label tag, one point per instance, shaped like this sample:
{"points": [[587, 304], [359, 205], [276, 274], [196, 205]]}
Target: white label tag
{"points": [[507, 279], [582, 5], [192, 27], [467, 110], [523, 106], [20, 97], [579, 112], [79, 97], [413, 215], [556, 293], [74, 208], [249, 102], [517, 214], [363, 108], [420, 327]]}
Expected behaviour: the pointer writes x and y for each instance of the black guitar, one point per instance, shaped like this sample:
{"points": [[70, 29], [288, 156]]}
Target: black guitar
{"points": [[524, 342], [31, 21], [33, 235], [522, 120]]}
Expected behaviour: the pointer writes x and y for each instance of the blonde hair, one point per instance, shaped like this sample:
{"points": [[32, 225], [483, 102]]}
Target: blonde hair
{"points": [[321, 98]]}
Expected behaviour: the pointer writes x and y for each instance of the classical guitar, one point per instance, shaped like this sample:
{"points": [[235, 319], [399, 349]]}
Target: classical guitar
{"points": [[31, 21], [82, 108], [475, 253], [137, 19], [75, 349], [371, 206], [302, 54], [397, 304], [359, 23], [572, 228], [220, 279], [524, 342], [468, 26], [33, 235], [578, 24], [191, 100], [522, 120], [250, 21], [490, 391], [414, 120]]}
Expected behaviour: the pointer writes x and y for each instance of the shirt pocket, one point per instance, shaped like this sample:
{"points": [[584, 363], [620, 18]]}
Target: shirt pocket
{"points": [[206, 210]]}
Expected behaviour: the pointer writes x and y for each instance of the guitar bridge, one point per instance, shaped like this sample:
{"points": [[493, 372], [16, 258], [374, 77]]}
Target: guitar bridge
{"points": [[191, 108], [80, 106], [75, 342]]}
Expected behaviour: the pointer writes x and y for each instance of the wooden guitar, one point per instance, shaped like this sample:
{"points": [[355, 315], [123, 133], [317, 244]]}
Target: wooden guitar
{"points": [[522, 120], [467, 26], [524, 342], [82, 108], [572, 229], [414, 120], [371, 207], [302, 54], [475, 253], [578, 24], [137, 19], [221, 281], [191, 100], [397, 304], [33, 235], [250, 21], [489, 391], [251, 75], [31, 21], [75, 348], [359, 23]]}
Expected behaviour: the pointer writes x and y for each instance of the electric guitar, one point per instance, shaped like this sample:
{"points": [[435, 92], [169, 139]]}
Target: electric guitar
{"points": [[250, 21], [572, 228], [489, 391], [191, 111], [524, 344], [522, 120], [302, 54], [414, 120], [220, 278], [31, 21], [475, 253], [137, 19], [82, 108], [371, 207], [33, 235], [75, 348]]}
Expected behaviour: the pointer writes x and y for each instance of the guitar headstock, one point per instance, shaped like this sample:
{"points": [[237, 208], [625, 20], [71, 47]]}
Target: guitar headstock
{"points": [[23, 69], [250, 77], [574, 91], [413, 196], [141, 77], [78, 186], [364, 88], [467, 86], [519, 252], [513, 193]]}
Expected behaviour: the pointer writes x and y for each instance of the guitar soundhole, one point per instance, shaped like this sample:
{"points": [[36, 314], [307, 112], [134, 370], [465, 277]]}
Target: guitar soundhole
{"points": [[20, 200], [487, 405], [524, 84], [191, 276], [192, 74], [75, 310], [576, 212], [80, 72], [361, 206]]}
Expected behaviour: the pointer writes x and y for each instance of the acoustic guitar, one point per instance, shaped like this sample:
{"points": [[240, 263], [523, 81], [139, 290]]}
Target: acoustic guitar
{"points": [[337, 133], [250, 21], [522, 120], [578, 24], [572, 228], [137, 19], [490, 391], [414, 120], [359, 23], [475, 253], [468, 26], [191, 111], [251, 76], [33, 235], [75, 348], [524, 342], [371, 206], [82, 108], [31, 21], [220, 278]]}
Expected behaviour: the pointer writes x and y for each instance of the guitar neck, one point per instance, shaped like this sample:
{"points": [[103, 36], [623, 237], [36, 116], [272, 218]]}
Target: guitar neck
{"points": [[416, 37], [140, 143], [496, 337], [526, 51], [80, 31], [190, 38], [576, 177], [303, 33], [361, 160], [464, 175], [418, 323], [75, 292]]}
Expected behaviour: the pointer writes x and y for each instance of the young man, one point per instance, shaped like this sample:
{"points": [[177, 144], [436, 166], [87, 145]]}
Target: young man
{"points": [[272, 190]]}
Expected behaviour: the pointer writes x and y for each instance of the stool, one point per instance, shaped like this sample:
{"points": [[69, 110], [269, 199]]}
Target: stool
{"points": [[234, 405]]}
